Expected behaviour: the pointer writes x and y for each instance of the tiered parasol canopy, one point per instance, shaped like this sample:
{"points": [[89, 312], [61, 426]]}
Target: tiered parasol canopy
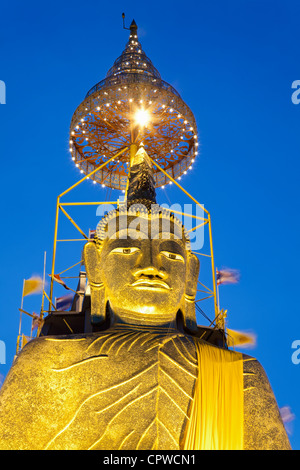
{"points": [[132, 105]]}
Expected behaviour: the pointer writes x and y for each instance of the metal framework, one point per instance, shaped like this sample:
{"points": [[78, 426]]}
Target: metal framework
{"points": [[104, 138], [60, 206]]}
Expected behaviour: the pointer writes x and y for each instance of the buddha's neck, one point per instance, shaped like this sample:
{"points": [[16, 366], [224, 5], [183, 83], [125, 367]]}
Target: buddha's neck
{"points": [[142, 320]]}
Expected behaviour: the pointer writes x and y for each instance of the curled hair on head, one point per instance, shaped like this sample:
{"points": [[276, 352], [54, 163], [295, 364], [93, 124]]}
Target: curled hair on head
{"points": [[153, 212]]}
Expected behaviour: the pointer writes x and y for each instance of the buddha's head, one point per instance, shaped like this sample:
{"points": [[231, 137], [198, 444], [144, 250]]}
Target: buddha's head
{"points": [[140, 267]]}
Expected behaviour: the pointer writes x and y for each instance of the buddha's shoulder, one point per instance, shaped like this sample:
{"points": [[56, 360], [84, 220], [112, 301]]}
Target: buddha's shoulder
{"points": [[256, 380], [254, 369], [45, 344], [49, 351]]}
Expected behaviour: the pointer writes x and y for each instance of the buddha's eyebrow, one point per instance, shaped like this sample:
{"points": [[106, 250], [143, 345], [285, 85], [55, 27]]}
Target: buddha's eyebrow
{"points": [[172, 246], [125, 242]]}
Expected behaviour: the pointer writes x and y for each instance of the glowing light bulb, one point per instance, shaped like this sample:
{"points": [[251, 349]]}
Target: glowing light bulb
{"points": [[142, 117]]}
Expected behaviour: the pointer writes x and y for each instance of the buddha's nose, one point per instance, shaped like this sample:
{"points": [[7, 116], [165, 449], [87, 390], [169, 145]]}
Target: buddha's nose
{"points": [[149, 264]]}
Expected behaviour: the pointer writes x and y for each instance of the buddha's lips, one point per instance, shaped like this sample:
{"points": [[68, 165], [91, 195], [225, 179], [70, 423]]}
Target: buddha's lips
{"points": [[150, 283]]}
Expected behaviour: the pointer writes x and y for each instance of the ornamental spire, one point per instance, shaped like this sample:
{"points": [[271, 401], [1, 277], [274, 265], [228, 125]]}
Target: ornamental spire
{"points": [[133, 59], [133, 28]]}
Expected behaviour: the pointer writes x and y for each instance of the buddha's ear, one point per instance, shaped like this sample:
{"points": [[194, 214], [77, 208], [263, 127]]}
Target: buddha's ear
{"points": [[92, 262], [91, 256], [192, 273]]}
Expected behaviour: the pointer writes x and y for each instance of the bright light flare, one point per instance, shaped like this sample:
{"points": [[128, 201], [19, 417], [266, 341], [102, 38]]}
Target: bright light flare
{"points": [[142, 117]]}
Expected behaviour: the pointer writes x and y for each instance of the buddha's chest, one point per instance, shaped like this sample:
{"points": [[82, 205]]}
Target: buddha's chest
{"points": [[133, 391]]}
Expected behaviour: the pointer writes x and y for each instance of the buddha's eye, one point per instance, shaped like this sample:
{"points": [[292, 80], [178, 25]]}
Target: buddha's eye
{"points": [[173, 256], [125, 250]]}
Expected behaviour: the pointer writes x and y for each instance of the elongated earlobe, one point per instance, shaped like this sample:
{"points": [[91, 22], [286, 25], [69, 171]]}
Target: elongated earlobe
{"points": [[98, 297], [188, 308], [98, 304]]}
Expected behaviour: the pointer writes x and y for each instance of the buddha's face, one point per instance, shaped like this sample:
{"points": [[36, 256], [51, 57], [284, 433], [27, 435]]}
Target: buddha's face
{"points": [[144, 277], [144, 274]]}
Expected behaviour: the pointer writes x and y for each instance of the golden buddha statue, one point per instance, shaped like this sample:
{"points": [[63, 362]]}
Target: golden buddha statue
{"points": [[143, 378]]}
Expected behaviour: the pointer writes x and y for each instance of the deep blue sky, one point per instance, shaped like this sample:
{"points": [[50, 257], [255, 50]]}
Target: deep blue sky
{"points": [[233, 62]]}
